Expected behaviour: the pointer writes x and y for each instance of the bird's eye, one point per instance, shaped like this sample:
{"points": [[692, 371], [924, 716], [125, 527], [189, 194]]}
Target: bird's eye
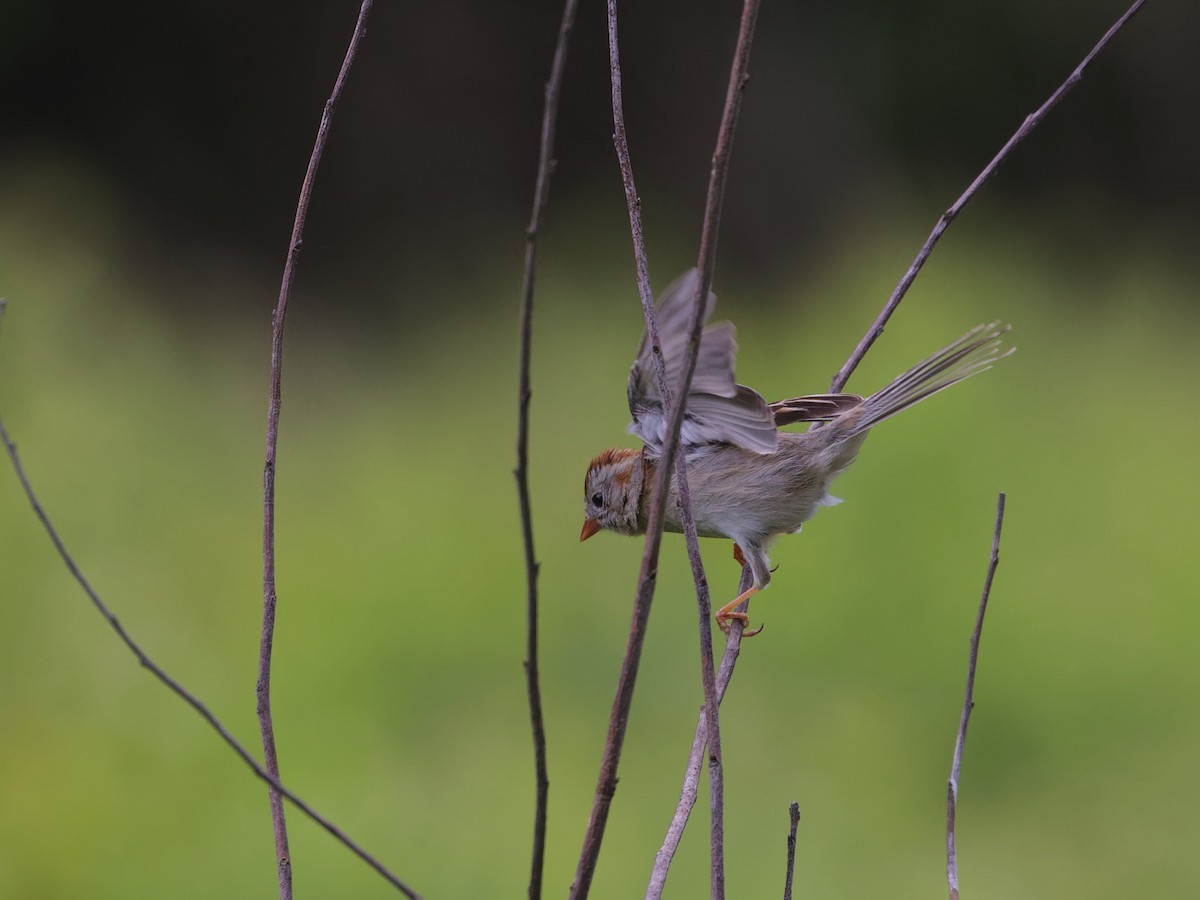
{"points": [[597, 500]]}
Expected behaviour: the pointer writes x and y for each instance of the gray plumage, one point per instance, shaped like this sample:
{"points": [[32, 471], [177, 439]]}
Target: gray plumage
{"points": [[718, 409]]}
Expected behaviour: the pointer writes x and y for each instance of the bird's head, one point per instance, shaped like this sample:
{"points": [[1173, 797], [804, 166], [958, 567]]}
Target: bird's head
{"points": [[612, 493]]}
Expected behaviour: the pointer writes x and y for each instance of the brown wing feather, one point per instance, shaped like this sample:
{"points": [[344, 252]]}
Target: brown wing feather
{"points": [[813, 408]]}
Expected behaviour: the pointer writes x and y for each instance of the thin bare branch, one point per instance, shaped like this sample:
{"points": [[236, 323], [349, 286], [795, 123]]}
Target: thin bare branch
{"points": [[691, 774], [606, 782], [794, 815], [1031, 122], [739, 74], [178, 689], [647, 578], [968, 705], [691, 538], [267, 636], [541, 192]]}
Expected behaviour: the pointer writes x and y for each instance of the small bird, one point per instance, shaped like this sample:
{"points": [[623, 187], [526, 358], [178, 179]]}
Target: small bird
{"points": [[748, 481]]}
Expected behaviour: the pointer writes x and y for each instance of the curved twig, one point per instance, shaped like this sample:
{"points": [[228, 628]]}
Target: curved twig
{"points": [[1031, 122], [267, 637], [541, 192], [178, 689]]}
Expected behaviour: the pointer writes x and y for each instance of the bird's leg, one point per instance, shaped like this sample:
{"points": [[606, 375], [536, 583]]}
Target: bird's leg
{"points": [[741, 560], [727, 612]]}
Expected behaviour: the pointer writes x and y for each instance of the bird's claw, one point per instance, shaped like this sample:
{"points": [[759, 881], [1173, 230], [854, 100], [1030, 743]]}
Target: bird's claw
{"points": [[724, 624]]}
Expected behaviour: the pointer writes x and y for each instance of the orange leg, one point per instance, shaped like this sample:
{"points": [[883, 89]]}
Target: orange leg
{"points": [[726, 612], [737, 554]]}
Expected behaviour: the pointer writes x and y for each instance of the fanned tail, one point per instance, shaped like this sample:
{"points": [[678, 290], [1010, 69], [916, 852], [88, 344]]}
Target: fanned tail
{"points": [[976, 351]]}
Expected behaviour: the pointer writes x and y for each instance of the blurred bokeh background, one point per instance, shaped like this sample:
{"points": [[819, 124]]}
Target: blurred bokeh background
{"points": [[149, 165]]}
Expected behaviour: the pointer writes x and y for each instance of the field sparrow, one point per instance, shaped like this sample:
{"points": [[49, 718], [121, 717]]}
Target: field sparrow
{"points": [[749, 482]]}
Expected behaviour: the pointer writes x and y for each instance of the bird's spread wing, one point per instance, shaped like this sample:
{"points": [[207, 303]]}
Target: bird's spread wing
{"points": [[718, 410]]}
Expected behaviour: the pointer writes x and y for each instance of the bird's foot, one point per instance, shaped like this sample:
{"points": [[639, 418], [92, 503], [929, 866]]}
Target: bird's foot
{"points": [[729, 612]]}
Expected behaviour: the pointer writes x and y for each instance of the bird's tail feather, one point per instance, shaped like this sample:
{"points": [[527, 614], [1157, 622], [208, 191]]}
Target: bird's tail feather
{"points": [[976, 351]]}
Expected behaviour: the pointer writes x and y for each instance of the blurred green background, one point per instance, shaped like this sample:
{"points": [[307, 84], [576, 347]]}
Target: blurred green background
{"points": [[149, 177]]}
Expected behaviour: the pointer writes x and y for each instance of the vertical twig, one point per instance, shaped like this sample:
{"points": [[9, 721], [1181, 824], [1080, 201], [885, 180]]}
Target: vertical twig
{"points": [[1031, 122], [691, 538], [541, 192], [968, 705], [266, 640], [606, 782], [794, 815], [739, 74]]}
